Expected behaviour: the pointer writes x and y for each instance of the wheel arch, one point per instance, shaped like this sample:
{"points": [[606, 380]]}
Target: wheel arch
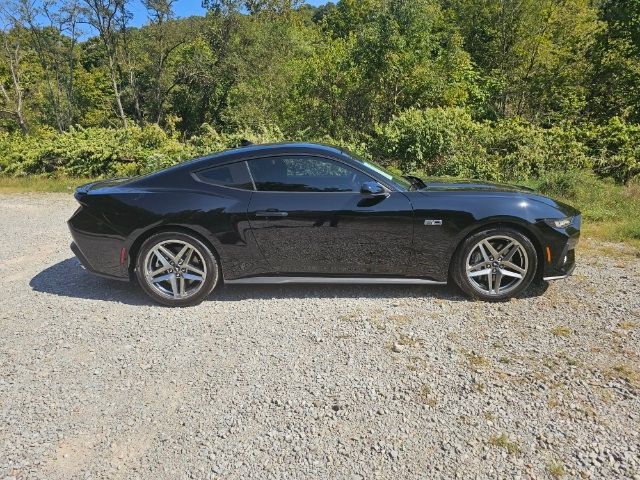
{"points": [[134, 249], [524, 229]]}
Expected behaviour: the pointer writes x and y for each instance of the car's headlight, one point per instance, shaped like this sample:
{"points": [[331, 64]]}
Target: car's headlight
{"points": [[560, 222]]}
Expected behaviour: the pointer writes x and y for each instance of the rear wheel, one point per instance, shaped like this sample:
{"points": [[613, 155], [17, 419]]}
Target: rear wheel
{"points": [[495, 264], [176, 269]]}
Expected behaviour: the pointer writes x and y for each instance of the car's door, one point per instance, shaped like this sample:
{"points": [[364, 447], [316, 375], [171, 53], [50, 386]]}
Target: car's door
{"points": [[309, 216]]}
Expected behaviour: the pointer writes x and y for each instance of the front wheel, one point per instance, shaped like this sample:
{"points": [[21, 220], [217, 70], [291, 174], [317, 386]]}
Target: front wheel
{"points": [[176, 269], [495, 264]]}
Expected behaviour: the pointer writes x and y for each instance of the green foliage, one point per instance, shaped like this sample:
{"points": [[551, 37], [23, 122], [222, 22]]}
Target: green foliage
{"points": [[615, 147], [437, 142], [380, 57], [609, 210], [506, 90], [599, 200], [450, 142], [531, 54], [562, 184], [91, 152], [615, 60], [433, 141], [100, 152]]}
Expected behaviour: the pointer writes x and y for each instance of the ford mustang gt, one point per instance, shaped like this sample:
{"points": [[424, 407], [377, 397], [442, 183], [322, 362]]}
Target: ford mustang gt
{"points": [[307, 213]]}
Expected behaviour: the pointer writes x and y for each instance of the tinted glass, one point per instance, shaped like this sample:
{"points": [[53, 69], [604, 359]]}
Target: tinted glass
{"points": [[402, 183], [233, 175], [305, 174]]}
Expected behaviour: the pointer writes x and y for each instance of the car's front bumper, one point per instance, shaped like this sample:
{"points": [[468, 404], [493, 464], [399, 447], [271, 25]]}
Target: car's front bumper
{"points": [[559, 250], [567, 273]]}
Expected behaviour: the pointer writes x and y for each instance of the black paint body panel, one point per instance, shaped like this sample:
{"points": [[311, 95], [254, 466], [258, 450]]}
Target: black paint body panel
{"points": [[328, 233], [334, 233]]}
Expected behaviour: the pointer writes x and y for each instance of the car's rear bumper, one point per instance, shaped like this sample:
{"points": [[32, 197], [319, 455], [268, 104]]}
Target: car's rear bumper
{"points": [[87, 265], [98, 247]]}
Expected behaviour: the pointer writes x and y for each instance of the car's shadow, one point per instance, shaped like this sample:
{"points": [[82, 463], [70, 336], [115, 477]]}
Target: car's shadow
{"points": [[68, 279]]}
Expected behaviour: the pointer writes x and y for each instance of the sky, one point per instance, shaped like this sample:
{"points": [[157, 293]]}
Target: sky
{"points": [[183, 8]]}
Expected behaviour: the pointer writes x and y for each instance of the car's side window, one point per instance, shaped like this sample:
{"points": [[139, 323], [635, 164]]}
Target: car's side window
{"points": [[233, 175], [305, 174]]}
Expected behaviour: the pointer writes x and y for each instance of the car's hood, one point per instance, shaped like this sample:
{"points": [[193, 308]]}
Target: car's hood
{"points": [[479, 187], [457, 184]]}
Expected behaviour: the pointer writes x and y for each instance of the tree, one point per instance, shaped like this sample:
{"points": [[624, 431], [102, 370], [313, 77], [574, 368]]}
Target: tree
{"points": [[162, 38], [379, 58], [54, 33], [251, 6], [108, 17], [19, 74], [12, 84], [615, 60], [530, 53]]}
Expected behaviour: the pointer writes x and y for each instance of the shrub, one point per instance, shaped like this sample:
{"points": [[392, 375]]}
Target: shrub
{"points": [[563, 184], [437, 142], [433, 141], [615, 148], [450, 142], [526, 151], [92, 152]]}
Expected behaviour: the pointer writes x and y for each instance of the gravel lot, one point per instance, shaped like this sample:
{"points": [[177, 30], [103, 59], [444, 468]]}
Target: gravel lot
{"points": [[310, 382]]}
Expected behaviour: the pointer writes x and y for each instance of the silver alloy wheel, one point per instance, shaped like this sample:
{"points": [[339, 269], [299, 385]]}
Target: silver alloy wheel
{"points": [[175, 269], [497, 265]]}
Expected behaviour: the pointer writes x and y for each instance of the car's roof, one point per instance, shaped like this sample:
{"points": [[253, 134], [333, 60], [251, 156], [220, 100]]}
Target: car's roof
{"points": [[247, 152], [251, 150]]}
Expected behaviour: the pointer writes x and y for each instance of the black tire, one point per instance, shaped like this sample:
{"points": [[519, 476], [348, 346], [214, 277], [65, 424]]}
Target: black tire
{"points": [[484, 264], [183, 289]]}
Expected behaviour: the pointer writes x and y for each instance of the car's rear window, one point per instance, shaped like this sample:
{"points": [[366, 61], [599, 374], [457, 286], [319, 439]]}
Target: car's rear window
{"points": [[234, 175]]}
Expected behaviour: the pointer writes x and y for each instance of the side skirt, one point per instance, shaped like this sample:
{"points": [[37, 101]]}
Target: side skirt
{"points": [[334, 280]]}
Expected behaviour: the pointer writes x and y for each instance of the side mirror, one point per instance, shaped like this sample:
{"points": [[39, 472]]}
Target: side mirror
{"points": [[372, 188]]}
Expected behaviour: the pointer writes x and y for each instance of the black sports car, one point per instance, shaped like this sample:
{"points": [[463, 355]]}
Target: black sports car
{"points": [[307, 213]]}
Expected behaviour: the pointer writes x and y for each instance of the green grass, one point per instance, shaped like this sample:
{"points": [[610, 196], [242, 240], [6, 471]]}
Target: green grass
{"points": [[556, 469], [609, 210], [40, 184], [503, 441], [561, 331]]}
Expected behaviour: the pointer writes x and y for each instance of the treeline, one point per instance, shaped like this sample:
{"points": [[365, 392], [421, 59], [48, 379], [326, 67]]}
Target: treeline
{"points": [[499, 89]]}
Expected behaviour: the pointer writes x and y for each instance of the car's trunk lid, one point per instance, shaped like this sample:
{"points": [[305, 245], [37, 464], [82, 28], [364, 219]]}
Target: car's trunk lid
{"points": [[109, 182], [83, 190]]}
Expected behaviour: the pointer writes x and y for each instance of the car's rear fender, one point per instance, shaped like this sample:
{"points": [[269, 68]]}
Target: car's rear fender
{"points": [[223, 227]]}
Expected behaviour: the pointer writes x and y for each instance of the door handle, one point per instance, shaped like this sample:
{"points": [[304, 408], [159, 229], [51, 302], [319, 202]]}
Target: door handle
{"points": [[271, 213]]}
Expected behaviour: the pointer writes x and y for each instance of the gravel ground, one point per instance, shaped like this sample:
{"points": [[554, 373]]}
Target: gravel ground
{"points": [[308, 381]]}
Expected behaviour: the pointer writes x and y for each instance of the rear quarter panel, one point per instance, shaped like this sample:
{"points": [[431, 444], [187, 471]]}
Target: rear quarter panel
{"points": [[124, 217]]}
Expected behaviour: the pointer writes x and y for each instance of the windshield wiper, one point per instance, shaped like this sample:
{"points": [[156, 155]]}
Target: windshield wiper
{"points": [[416, 182]]}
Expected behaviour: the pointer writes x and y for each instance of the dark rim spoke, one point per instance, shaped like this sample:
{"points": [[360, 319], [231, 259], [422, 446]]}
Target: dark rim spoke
{"points": [[480, 273], [497, 281], [513, 266]]}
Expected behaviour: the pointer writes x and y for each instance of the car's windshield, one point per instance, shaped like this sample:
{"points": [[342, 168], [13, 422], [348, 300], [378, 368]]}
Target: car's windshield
{"points": [[402, 183]]}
